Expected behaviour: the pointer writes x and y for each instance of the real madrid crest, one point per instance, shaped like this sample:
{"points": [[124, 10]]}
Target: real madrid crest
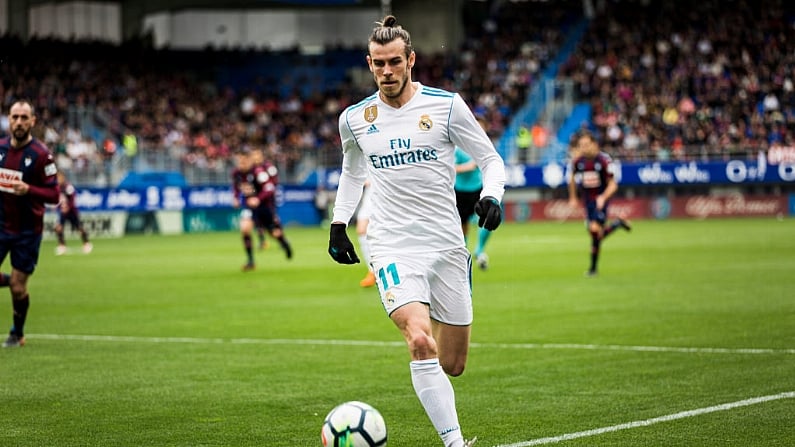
{"points": [[425, 122], [370, 113]]}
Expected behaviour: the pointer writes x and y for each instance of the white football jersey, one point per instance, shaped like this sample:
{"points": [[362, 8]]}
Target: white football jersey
{"points": [[409, 155]]}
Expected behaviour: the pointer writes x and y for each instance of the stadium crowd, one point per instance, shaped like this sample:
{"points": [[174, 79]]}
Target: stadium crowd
{"points": [[683, 80], [708, 81], [89, 95]]}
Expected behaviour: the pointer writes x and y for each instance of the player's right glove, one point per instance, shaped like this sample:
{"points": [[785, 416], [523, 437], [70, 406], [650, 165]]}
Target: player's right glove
{"points": [[340, 247], [488, 208]]}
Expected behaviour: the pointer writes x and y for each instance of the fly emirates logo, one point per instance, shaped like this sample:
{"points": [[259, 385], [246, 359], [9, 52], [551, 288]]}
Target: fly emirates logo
{"points": [[402, 154]]}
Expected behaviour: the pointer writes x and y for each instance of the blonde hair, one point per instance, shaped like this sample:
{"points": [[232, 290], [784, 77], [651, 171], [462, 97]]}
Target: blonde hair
{"points": [[388, 30]]}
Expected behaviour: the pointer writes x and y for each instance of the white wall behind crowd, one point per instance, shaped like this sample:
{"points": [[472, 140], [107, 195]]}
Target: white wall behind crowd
{"points": [[260, 29], [196, 29]]}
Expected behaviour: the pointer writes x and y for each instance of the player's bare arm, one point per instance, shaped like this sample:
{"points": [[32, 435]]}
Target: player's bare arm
{"points": [[574, 202]]}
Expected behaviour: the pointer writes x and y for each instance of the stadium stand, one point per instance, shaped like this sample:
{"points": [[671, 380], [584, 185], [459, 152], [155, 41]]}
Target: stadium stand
{"points": [[708, 81], [688, 81]]}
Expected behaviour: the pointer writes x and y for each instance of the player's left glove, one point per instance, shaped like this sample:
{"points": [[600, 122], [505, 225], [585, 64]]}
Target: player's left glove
{"points": [[340, 247], [488, 208]]}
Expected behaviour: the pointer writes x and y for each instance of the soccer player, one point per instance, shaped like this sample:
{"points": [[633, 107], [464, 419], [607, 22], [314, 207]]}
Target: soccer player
{"points": [[468, 185], [591, 172], [254, 189], [403, 138], [68, 212], [27, 182]]}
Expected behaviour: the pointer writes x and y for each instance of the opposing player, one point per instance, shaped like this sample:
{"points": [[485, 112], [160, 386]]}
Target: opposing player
{"points": [[403, 139], [254, 189], [68, 212], [591, 174], [28, 174]]}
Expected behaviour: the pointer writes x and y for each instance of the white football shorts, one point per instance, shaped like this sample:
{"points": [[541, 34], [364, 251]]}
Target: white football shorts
{"points": [[442, 280]]}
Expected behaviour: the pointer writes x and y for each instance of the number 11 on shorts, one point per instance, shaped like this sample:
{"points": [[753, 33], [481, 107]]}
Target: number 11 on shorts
{"points": [[391, 270]]}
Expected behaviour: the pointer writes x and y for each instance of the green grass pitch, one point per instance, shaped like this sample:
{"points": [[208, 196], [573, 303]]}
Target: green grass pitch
{"points": [[163, 341]]}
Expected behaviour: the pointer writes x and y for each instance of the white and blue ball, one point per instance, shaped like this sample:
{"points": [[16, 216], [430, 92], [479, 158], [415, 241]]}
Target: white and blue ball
{"points": [[354, 424]]}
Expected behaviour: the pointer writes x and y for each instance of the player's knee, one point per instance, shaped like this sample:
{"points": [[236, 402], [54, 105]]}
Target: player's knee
{"points": [[421, 345], [18, 290], [455, 367]]}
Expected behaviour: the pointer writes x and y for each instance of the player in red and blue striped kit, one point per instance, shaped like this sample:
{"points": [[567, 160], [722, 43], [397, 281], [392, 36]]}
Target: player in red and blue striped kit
{"points": [[68, 212], [254, 189], [591, 175], [27, 182]]}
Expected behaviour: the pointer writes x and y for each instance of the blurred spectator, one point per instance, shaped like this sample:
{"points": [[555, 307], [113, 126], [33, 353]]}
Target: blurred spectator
{"points": [[130, 143], [524, 144]]}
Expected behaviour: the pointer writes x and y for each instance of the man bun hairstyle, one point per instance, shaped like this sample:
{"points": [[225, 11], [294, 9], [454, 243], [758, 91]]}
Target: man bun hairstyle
{"points": [[389, 22], [388, 30]]}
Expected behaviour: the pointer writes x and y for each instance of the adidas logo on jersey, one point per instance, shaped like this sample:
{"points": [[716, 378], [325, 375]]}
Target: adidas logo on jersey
{"points": [[372, 129]]}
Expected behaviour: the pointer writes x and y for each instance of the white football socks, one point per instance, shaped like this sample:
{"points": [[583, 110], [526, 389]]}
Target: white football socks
{"points": [[436, 394]]}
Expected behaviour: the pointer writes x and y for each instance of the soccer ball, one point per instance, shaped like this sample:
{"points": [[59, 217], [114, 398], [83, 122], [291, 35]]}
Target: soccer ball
{"points": [[353, 424]]}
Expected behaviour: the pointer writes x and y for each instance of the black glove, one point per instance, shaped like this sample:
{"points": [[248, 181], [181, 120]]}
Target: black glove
{"points": [[340, 247], [488, 208]]}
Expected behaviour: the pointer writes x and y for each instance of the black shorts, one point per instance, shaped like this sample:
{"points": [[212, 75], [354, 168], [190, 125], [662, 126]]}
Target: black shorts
{"points": [[465, 202], [24, 249], [266, 217], [592, 214]]}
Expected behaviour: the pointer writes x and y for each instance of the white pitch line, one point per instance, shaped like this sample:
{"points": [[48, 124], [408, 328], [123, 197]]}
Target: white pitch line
{"points": [[318, 342], [657, 420], [260, 341], [594, 347], [124, 338]]}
